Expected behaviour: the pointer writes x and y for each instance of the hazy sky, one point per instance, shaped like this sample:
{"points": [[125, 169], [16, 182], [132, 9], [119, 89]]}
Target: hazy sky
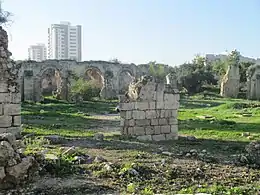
{"points": [[139, 31]]}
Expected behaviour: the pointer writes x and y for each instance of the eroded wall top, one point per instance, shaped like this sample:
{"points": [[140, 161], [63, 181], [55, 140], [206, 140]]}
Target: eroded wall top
{"points": [[149, 110]]}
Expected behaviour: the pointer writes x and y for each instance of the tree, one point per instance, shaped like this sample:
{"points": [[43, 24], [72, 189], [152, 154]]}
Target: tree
{"points": [[192, 76], [234, 58], [193, 82], [219, 67], [4, 15], [157, 71], [199, 61]]}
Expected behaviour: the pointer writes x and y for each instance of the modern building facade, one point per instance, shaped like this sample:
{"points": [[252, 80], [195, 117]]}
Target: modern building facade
{"points": [[64, 41], [37, 52]]}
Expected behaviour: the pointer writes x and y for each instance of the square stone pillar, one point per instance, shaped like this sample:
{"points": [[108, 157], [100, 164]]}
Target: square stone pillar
{"points": [[150, 112]]}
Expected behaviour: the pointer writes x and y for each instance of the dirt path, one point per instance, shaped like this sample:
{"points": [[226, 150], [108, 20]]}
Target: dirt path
{"points": [[76, 185]]}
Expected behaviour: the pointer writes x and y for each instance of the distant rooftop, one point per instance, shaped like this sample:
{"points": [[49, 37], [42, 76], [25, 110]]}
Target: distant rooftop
{"points": [[65, 22]]}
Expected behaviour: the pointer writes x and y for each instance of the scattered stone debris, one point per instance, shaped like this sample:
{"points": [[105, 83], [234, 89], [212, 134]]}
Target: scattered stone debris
{"points": [[191, 138], [167, 153], [83, 159], [108, 167], [253, 152], [14, 168], [42, 111], [100, 159], [55, 139], [70, 151], [193, 151], [188, 154], [245, 134]]}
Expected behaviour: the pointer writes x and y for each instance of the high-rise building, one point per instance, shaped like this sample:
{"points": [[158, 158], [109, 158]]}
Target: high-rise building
{"points": [[64, 41], [37, 52]]}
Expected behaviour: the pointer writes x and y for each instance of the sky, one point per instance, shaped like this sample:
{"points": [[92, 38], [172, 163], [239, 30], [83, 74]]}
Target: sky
{"points": [[140, 31]]}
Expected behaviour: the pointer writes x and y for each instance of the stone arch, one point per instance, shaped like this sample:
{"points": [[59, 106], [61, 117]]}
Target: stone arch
{"points": [[40, 80], [94, 74], [125, 77]]}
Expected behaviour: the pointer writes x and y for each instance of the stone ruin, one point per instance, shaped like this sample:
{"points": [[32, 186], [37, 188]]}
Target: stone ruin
{"points": [[13, 165], [230, 83], [253, 82], [149, 110], [10, 97]]}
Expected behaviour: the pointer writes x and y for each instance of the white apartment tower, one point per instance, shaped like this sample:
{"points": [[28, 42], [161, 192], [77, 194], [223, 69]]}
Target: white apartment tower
{"points": [[37, 52], [64, 41]]}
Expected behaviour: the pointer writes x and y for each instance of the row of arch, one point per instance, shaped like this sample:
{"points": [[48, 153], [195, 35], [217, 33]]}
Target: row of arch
{"points": [[50, 79]]}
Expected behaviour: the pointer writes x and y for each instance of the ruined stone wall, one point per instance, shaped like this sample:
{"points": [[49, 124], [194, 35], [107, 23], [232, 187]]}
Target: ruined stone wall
{"points": [[14, 167], [253, 82], [31, 73], [10, 97], [230, 83], [149, 112]]}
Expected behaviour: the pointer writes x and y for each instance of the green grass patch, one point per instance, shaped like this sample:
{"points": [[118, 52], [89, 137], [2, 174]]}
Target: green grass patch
{"points": [[217, 123]]}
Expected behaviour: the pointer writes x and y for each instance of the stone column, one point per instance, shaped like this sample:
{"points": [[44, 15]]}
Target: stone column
{"points": [[257, 87], [28, 84], [37, 90], [64, 89], [231, 82], [107, 91], [10, 97], [249, 87]]}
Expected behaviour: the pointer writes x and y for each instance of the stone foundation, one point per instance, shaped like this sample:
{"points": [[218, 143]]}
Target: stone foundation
{"points": [[149, 111]]}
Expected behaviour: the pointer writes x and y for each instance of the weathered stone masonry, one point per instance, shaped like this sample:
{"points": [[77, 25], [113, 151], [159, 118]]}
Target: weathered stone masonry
{"points": [[10, 98], [14, 167], [150, 112], [114, 77]]}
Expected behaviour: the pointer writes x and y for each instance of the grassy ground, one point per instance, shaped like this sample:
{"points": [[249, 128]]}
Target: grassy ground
{"points": [[148, 168]]}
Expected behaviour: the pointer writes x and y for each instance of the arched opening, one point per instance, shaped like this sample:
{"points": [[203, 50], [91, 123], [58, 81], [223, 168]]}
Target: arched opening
{"points": [[89, 86], [95, 77], [50, 81], [125, 78]]}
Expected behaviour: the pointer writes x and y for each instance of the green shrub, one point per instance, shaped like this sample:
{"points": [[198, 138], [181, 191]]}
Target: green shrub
{"points": [[194, 81], [86, 89], [158, 72]]}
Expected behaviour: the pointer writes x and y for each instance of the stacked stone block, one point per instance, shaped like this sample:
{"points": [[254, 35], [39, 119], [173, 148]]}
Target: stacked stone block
{"points": [[10, 97], [152, 117], [10, 112], [14, 167]]}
